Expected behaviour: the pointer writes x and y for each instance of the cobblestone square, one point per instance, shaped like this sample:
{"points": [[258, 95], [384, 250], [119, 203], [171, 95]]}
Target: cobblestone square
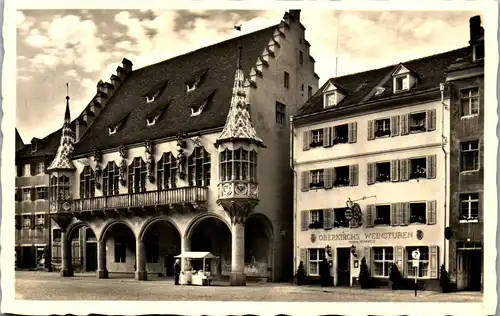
{"points": [[50, 286]]}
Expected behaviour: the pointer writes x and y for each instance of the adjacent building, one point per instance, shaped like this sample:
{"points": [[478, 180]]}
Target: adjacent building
{"points": [[187, 155], [379, 140]]}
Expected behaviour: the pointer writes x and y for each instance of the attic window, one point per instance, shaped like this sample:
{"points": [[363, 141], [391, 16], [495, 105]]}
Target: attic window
{"points": [[191, 87], [151, 121], [197, 111], [331, 99], [401, 83], [150, 99], [112, 130]]}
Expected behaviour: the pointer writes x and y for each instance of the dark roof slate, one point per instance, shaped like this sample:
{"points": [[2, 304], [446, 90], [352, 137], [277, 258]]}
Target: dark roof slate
{"points": [[431, 70], [215, 65], [19, 141]]}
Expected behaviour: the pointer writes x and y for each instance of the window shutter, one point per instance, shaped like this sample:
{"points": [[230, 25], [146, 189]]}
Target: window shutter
{"points": [[305, 181], [303, 258], [328, 218], [371, 130], [306, 139], [431, 212], [32, 193], [368, 258], [394, 125], [304, 220], [353, 175], [433, 262], [327, 137], [370, 173], [405, 130], [395, 214], [32, 218], [399, 259], [329, 178], [431, 120], [405, 213], [404, 169], [395, 170], [46, 220], [18, 222], [353, 132], [431, 167], [370, 209]]}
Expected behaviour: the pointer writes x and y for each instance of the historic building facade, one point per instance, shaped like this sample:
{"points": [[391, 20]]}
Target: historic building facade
{"points": [[187, 155], [377, 140]]}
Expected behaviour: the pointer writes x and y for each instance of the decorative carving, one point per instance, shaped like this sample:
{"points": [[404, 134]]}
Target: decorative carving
{"points": [[254, 190], [123, 164], [196, 141], [98, 171], [240, 189], [148, 146], [181, 157], [226, 190], [181, 142], [123, 151], [238, 211]]}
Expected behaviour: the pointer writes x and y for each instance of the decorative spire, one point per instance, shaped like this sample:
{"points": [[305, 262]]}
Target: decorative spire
{"points": [[238, 123], [62, 161]]}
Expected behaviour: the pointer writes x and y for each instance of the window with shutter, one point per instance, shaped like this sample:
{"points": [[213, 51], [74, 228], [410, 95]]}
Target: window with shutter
{"points": [[418, 213], [306, 180], [399, 258], [341, 176], [367, 252], [395, 170], [404, 124], [329, 175], [431, 212], [371, 130], [417, 122], [405, 169], [352, 132], [353, 175], [306, 139], [433, 258], [431, 120], [395, 214], [327, 138], [341, 134], [370, 173], [370, 210], [394, 125], [431, 166], [303, 258], [405, 213], [317, 138], [328, 220], [304, 220], [418, 168]]}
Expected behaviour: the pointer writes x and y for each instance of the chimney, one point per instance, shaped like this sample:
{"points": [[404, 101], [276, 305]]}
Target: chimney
{"points": [[95, 107], [295, 15], [121, 73], [115, 81], [127, 65], [476, 30], [102, 98], [108, 89]]}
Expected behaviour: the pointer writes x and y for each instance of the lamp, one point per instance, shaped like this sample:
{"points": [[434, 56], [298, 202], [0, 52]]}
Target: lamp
{"points": [[353, 251], [328, 250]]}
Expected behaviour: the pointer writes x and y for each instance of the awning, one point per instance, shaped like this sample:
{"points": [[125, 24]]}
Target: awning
{"points": [[196, 255]]}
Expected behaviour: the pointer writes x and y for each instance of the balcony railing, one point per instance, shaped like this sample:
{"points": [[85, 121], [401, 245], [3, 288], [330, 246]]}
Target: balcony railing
{"points": [[149, 198]]}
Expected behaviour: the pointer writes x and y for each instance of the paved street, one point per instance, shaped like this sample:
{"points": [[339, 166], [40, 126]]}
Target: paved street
{"points": [[50, 286]]}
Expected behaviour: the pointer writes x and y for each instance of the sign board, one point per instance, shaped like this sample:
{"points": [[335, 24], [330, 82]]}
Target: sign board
{"points": [[348, 214], [415, 263], [415, 254]]}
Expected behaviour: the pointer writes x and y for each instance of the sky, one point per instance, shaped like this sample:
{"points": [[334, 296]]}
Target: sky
{"points": [[81, 47]]}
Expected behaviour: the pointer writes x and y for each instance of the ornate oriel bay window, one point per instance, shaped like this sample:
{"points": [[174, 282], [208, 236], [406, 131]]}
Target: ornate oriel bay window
{"points": [[199, 167], [167, 172], [137, 174], [111, 179], [87, 183], [239, 164], [60, 188]]}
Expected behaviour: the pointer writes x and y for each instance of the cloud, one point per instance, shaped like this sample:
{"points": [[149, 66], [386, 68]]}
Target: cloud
{"points": [[37, 40]]}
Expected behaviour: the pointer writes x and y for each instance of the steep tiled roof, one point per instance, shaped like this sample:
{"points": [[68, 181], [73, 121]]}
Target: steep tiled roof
{"points": [[49, 147], [214, 65], [431, 71]]}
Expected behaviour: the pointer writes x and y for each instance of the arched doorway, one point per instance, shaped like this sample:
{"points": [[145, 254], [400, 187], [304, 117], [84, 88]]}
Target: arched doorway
{"points": [[213, 235], [120, 247], [162, 241], [82, 248], [258, 246]]}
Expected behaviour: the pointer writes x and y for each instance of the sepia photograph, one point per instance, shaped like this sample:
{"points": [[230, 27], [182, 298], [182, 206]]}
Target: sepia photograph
{"points": [[333, 156]]}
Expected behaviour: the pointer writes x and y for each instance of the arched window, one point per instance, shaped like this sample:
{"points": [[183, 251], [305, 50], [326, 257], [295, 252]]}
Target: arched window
{"points": [[87, 183], [137, 174], [60, 188], [239, 164], [199, 167], [110, 179], [167, 172]]}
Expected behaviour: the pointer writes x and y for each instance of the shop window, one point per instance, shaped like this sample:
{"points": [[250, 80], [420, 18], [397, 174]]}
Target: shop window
{"points": [[382, 215], [382, 127], [417, 122], [418, 213], [316, 138], [315, 258], [383, 171], [423, 266], [418, 168], [317, 179], [317, 219], [120, 250], [469, 207], [470, 156], [469, 99], [341, 134], [341, 176], [383, 257], [339, 218]]}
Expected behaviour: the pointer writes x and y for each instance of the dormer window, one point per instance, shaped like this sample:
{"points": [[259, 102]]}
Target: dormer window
{"points": [[331, 99], [197, 111], [151, 121], [403, 79], [112, 130], [150, 99], [191, 87], [332, 95], [401, 83]]}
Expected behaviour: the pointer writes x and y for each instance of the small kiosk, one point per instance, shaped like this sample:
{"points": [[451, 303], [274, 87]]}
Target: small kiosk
{"points": [[192, 276]]}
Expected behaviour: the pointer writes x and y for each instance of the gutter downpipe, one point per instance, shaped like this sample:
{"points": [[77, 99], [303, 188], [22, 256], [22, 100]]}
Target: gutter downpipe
{"points": [[292, 166], [444, 141]]}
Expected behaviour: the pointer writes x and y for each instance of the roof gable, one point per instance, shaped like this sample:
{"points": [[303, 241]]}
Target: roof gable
{"points": [[400, 70]]}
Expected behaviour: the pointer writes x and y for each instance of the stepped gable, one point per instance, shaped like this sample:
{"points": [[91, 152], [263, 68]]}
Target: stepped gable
{"points": [[212, 67], [360, 87]]}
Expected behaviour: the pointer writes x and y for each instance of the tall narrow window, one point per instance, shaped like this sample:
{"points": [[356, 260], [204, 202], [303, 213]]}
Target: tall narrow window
{"points": [[469, 98], [309, 92], [87, 183], [301, 57], [110, 179], [167, 172], [470, 156], [469, 206], [137, 174], [280, 113], [199, 167], [315, 257], [286, 80], [60, 188]]}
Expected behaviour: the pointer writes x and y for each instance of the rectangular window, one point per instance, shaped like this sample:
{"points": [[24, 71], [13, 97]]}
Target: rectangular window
{"points": [[26, 194], [416, 122], [317, 179], [341, 134], [286, 80], [339, 218], [280, 113], [56, 235], [418, 213], [301, 57], [418, 168], [383, 171], [26, 221], [41, 193], [120, 250], [469, 100], [469, 207], [40, 168], [315, 257], [383, 257], [470, 156], [317, 219], [316, 138], [383, 127], [40, 220], [401, 83], [478, 51], [382, 215], [331, 99], [309, 92], [341, 177], [26, 170], [423, 267]]}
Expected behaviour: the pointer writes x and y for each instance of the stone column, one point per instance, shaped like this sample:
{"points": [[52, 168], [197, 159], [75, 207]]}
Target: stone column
{"points": [[237, 277], [66, 268], [102, 271], [140, 250], [185, 247]]}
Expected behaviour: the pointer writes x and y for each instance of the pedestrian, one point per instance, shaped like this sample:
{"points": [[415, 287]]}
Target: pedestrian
{"points": [[177, 271]]}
